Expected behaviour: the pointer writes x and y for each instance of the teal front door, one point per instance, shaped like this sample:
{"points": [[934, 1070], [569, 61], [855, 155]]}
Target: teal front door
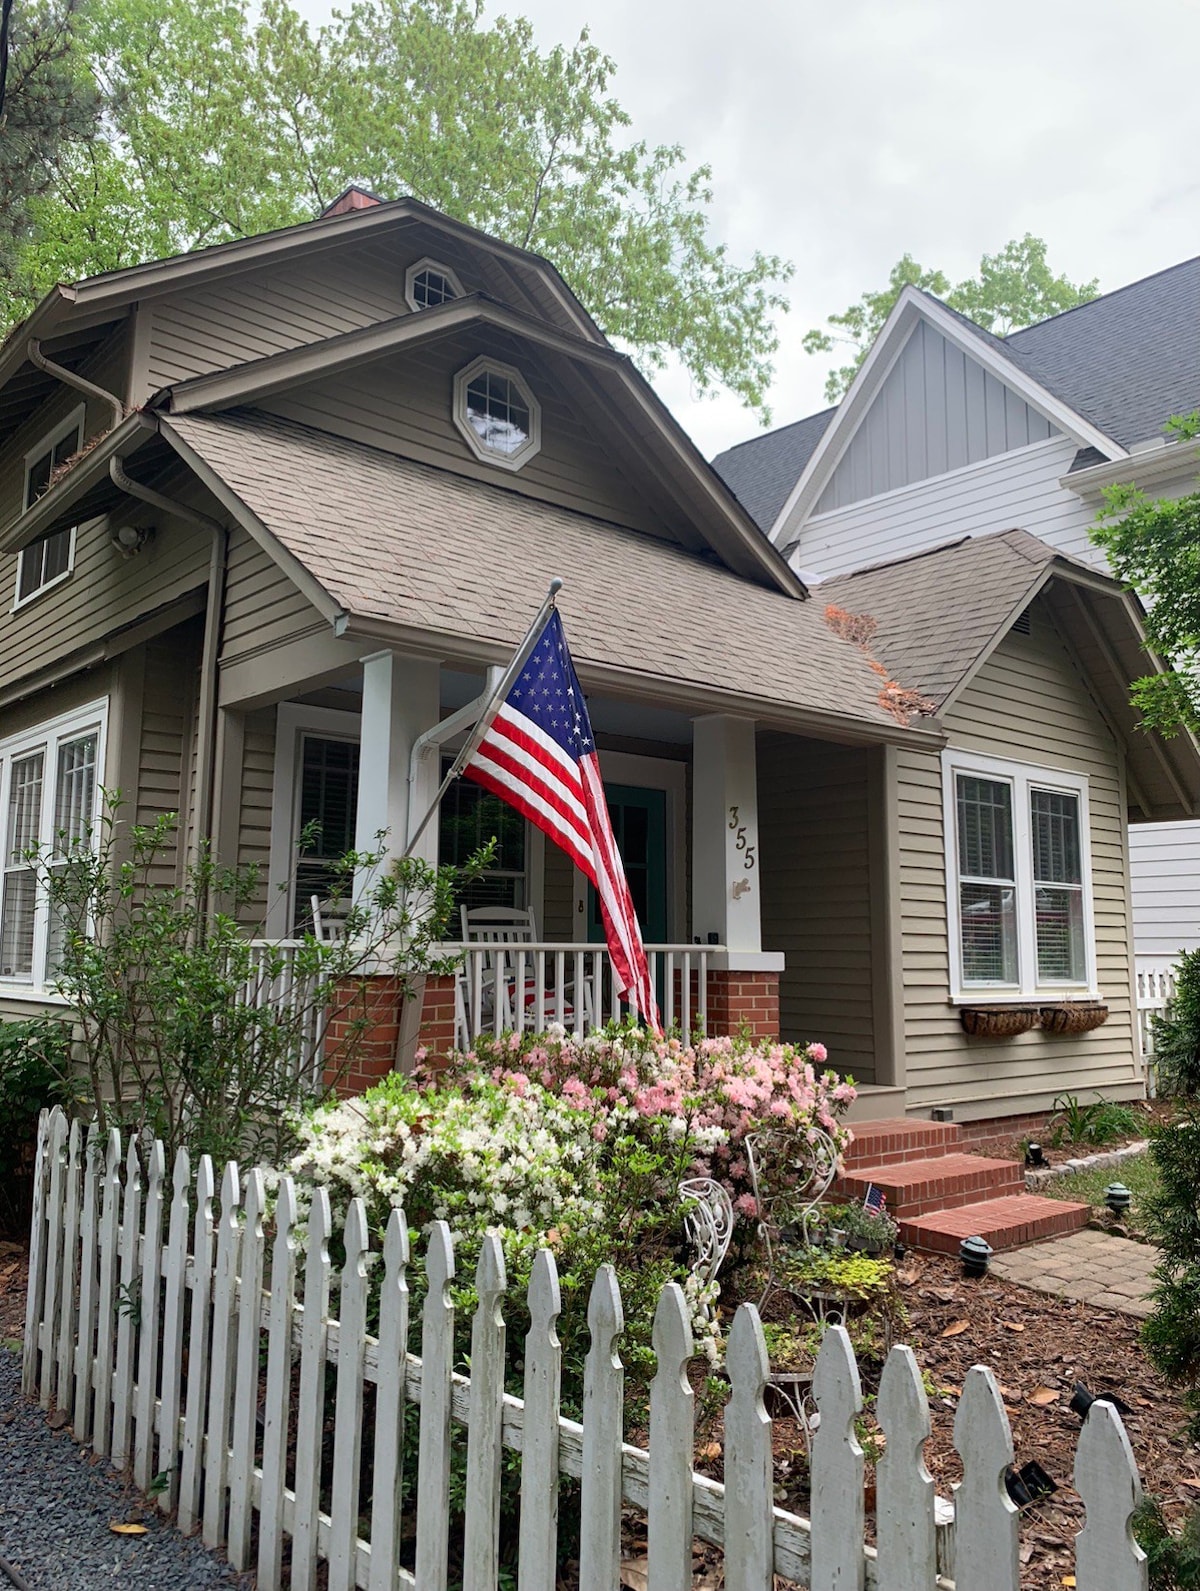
{"points": [[639, 820]]}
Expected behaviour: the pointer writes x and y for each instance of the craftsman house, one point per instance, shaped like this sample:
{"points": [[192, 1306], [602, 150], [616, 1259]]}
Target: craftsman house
{"points": [[271, 512], [949, 431]]}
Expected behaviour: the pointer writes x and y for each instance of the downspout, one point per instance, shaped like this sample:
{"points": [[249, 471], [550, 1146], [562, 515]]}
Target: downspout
{"points": [[33, 351], [206, 736]]}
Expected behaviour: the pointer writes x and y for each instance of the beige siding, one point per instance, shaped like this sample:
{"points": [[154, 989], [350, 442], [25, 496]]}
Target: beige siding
{"points": [[258, 313], [262, 606], [557, 913], [171, 671], [813, 838], [254, 831], [1027, 704], [404, 405]]}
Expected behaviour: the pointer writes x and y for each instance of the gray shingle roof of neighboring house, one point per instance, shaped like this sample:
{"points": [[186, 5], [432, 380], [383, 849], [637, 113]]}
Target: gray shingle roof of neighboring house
{"points": [[1125, 362], [762, 471], [452, 560], [939, 610]]}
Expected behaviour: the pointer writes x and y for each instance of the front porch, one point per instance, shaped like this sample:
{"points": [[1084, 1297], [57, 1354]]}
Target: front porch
{"points": [[749, 854]]}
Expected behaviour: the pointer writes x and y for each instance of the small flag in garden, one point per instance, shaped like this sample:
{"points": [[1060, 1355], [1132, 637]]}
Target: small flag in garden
{"points": [[875, 1200], [539, 754]]}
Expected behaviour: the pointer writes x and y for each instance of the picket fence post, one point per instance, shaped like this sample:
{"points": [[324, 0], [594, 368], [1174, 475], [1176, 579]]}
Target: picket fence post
{"points": [[905, 1534], [36, 1284], [191, 1463], [537, 1544], [88, 1258], [276, 1412], [838, 1503], [389, 1406], [220, 1386], [128, 1307], [174, 1300], [433, 1457], [149, 1296], [106, 1306], [672, 1440], [310, 1406], [245, 1403], [987, 1542], [749, 1462], [1106, 1477], [65, 1354], [485, 1441], [348, 1401], [603, 1407], [57, 1155]]}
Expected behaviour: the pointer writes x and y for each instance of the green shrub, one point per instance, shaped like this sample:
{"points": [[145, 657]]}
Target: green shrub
{"points": [[1098, 1123], [34, 1063], [1177, 1032], [1172, 1334], [1172, 1559]]}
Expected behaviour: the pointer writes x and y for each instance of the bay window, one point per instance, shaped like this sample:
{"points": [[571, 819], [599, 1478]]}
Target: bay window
{"points": [[1018, 878], [49, 794]]}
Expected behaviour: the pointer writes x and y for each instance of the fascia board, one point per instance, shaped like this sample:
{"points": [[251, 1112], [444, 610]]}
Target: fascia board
{"points": [[895, 333], [26, 527], [297, 572], [687, 695], [40, 322]]}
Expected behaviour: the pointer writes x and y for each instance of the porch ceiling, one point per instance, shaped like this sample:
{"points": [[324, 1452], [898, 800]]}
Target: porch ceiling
{"points": [[428, 559]]}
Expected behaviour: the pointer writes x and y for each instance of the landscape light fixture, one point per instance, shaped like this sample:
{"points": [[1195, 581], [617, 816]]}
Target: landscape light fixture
{"points": [[1035, 1157], [976, 1255], [1118, 1198]]}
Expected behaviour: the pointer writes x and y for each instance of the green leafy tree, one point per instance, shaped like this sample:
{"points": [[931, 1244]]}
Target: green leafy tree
{"points": [[1014, 288], [49, 109], [1153, 546], [222, 121]]}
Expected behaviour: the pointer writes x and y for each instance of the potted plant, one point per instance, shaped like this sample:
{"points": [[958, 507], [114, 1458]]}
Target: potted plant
{"points": [[867, 1231]]}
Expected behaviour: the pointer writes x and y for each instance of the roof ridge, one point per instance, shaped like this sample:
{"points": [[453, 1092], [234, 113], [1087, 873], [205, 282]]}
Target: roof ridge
{"points": [[1100, 298], [766, 436], [909, 557]]}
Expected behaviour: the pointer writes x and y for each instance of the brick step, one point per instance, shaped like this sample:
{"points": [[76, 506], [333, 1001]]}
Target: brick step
{"points": [[1004, 1223], [939, 1182], [887, 1142]]}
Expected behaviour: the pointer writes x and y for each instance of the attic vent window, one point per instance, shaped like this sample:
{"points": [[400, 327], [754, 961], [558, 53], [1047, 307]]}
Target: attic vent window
{"points": [[1022, 624], [497, 414], [428, 284]]}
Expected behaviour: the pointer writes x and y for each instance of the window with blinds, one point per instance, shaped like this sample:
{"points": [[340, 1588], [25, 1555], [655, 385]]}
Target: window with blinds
{"points": [[1017, 860], [328, 804], [469, 818], [49, 786]]}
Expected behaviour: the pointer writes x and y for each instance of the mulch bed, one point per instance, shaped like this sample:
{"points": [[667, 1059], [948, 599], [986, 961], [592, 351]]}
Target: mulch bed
{"points": [[1150, 1113]]}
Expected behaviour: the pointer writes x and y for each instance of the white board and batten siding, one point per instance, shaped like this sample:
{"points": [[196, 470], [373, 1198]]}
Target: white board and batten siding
{"points": [[234, 1296], [1027, 704]]}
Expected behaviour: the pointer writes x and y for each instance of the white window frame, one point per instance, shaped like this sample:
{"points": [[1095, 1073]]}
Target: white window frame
{"points": [[532, 444], [47, 737], [428, 264], [73, 422], [1023, 778]]}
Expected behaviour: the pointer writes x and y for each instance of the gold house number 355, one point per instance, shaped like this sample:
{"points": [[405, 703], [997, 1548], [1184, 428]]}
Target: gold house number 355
{"points": [[739, 830]]}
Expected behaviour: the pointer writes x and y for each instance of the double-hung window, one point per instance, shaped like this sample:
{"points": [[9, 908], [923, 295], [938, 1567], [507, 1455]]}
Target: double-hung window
{"points": [[48, 560], [49, 790], [1018, 877]]}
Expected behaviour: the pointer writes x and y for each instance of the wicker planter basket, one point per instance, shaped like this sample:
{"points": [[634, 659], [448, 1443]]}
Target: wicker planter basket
{"points": [[998, 1022], [1073, 1018]]}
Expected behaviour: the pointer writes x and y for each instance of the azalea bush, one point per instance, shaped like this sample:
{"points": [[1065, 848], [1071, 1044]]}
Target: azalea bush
{"points": [[579, 1146]]}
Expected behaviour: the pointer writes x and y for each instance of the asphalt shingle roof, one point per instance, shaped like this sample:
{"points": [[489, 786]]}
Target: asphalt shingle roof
{"points": [[939, 610], [761, 472], [394, 540], [1126, 362]]}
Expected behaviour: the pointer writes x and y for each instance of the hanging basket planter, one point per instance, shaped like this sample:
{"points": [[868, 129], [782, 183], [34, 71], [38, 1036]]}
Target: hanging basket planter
{"points": [[998, 1022], [1070, 1018]]}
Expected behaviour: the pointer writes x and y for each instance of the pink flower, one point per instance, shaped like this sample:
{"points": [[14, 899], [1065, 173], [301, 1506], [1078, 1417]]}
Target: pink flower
{"points": [[746, 1206], [818, 1053]]}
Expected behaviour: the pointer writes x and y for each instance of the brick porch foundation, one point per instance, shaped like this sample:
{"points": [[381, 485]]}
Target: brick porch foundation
{"points": [[744, 1002]]}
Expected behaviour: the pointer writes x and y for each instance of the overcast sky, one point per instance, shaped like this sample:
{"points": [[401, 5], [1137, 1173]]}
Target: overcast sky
{"points": [[844, 134]]}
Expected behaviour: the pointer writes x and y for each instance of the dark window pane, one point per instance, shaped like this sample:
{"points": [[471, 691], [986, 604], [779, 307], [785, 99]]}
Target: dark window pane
{"points": [[985, 828], [1056, 849], [328, 800], [430, 288], [469, 817], [39, 479], [56, 556]]}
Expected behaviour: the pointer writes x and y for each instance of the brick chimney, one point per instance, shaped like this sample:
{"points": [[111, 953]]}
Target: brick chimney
{"points": [[354, 198]]}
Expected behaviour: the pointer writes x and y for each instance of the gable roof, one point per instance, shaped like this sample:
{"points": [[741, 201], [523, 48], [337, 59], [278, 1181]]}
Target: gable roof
{"points": [[940, 614], [407, 552], [1119, 365]]}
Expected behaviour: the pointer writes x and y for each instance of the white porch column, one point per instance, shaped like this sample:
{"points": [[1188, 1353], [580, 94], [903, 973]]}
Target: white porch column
{"points": [[725, 855], [400, 701]]}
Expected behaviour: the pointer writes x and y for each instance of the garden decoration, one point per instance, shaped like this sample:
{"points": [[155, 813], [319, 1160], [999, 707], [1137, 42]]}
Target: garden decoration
{"points": [[813, 1183], [709, 1224]]}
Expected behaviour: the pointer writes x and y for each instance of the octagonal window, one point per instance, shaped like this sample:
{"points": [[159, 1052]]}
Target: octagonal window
{"points": [[497, 413], [429, 283]]}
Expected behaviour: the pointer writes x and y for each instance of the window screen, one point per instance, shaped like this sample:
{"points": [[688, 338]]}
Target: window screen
{"points": [[22, 833]]}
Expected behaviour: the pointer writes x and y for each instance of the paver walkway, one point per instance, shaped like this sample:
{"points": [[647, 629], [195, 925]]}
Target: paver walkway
{"points": [[1093, 1267]]}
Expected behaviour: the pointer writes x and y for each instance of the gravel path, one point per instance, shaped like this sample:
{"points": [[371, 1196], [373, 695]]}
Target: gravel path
{"points": [[56, 1508]]}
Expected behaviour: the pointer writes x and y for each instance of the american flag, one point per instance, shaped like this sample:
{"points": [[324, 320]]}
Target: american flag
{"points": [[539, 755], [875, 1200]]}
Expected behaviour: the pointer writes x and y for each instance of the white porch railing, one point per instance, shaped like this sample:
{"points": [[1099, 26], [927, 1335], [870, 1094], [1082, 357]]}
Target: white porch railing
{"points": [[523, 987], [275, 981], [148, 1326], [1155, 990]]}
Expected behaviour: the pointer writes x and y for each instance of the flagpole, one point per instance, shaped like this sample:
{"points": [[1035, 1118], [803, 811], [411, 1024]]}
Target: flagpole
{"points": [[495, 700]]}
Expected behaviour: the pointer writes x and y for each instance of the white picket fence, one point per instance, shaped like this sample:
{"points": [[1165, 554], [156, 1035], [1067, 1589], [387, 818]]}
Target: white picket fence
{"points": [[149, 1325], [1155, 990]]}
